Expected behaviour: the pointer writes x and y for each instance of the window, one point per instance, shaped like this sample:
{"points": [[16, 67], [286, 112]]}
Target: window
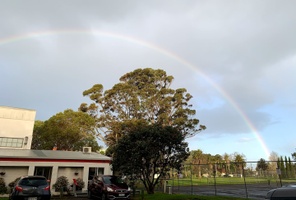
{"points": [[43, 171], [33, 181], [95, 171], [11, 142]]}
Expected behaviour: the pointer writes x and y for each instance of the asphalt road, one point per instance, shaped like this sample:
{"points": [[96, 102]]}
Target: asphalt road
{"points": [[256, 191], [253, 192]]}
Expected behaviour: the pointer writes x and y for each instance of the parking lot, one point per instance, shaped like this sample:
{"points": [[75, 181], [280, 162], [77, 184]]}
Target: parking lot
{"points": [[255, 191]]}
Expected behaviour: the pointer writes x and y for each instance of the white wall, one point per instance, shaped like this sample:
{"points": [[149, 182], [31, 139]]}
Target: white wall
{"points": [[17, 123], [12, 172]]}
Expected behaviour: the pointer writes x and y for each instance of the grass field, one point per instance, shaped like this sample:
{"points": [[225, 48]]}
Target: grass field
{"points": [[224, 180]]}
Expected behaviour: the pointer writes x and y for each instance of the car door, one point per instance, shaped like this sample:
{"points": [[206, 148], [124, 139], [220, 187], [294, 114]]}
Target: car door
{"points": [[97, 186]]}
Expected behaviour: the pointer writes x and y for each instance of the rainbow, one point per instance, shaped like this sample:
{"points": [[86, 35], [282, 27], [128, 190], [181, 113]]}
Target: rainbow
{"points": [[31, 35]]}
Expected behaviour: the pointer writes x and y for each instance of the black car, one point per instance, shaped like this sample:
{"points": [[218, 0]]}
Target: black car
{"points": [[31, 188], [108, 187], [287, 192]]}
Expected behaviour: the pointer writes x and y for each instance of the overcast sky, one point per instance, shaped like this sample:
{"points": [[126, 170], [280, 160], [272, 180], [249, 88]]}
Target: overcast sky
{"points": [[237, 59]]}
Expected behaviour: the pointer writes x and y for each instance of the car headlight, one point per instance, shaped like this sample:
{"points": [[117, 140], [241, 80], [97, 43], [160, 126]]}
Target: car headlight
{"points": [[109, 189]]}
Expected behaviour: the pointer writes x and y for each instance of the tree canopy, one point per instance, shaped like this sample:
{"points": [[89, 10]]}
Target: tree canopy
{"points": [[262, 165], [148, 152], [294, 155], [68, 130], [143, 94]]}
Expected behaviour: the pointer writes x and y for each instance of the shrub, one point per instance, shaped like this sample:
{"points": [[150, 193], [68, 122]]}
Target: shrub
{"points": [[3, 188], [80, 184], [11, 184], [61, 184]]}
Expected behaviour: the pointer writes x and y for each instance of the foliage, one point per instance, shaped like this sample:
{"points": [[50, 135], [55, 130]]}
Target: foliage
{"points": [[61, 183], [3, 188], [12, 184], [239, 162], [273, 157], [294, 155], [262, 165], [37, 135], [148, 152], [202, 163], [143, 94], [80, 183], [68, 130], [196, 158]]}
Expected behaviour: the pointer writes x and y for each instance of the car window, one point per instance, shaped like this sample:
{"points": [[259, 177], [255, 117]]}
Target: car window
{"points": [[33, 181], [112, 180]]}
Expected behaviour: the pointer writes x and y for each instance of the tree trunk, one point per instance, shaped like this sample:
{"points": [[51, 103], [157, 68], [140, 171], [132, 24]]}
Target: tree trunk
{"points": [[150, 189]]}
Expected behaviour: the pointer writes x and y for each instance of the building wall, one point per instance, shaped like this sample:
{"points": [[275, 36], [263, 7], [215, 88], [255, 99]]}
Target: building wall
{"points": [[16, 123], [15, 169], [13, 172]]}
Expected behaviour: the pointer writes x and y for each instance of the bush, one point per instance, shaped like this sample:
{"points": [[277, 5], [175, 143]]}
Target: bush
{"points": [[80, 184], [61, 184], [3, 188], [12, 184]]}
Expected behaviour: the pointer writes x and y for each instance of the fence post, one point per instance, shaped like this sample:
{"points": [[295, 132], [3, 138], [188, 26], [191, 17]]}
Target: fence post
{"points": [[278, 170], [142, 194], [243, 169], [215, 168], [191, 179]]}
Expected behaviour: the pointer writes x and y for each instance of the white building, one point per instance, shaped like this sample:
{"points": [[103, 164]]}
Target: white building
{"points": [[17, 159], [16, 127]]}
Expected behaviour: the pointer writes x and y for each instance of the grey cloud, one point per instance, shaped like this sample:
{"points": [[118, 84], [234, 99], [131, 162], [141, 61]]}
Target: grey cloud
{"points": [[245, 47], [227, 119]]}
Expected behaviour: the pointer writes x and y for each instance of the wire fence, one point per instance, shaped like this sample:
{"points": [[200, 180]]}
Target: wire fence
{"points": [[241, 179]]}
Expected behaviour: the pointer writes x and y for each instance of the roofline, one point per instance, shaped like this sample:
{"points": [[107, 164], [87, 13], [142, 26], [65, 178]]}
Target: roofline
{"points": [[17, 108]]}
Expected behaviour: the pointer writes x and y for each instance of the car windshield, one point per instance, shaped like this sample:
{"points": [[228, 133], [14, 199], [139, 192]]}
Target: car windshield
{"points": [[291, 185], [33, 181], [112, 180]]}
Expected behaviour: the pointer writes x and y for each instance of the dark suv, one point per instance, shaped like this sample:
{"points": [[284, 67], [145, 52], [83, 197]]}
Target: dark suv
{"points": [[108, 187], [31, 188]]}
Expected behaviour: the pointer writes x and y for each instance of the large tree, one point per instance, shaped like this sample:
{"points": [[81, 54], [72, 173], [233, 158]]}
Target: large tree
{"points": [[148, 152], [294, 155], [262, 166], [273, 158], [141, 94], [239, 162], [37, 133], [196, 159], [68, 130]]}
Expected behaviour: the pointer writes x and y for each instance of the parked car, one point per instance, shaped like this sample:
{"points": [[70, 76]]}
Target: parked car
{"points": [[31, 188], [287, 192], [108, 187]]}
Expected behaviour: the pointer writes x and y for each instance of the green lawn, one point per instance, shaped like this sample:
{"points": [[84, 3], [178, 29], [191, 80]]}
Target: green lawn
{"points": [[220, 180]]}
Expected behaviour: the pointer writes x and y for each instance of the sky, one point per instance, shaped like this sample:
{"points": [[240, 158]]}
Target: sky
{"points": [[236, 58]]}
